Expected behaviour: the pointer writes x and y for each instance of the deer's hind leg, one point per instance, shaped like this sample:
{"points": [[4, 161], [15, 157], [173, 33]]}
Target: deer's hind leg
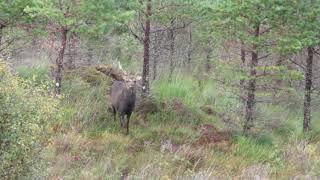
{"points": [[114, 112]]}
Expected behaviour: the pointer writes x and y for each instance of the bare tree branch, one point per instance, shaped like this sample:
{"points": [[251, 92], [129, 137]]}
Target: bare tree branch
{"points": [[175, 28], [266, 31], [294, 62], [265, 56], [140, 39]]}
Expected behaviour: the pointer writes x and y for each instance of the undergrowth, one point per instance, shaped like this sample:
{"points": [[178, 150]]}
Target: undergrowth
{"points": [[87, 143]]}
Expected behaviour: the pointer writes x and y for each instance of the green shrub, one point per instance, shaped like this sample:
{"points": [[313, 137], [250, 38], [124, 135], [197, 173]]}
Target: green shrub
{"points": [[25, 112], [38, 75]]}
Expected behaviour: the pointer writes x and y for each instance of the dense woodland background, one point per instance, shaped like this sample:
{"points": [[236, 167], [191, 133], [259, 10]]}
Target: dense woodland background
{"points": [[228, 89]]}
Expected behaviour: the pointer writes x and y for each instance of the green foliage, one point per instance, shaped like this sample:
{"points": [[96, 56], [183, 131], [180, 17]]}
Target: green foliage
{"points": [[302, 26], [104, 15], [37, 75], [90, 18], [11, 12], [164, 11], [25, 113], [255, 152]]}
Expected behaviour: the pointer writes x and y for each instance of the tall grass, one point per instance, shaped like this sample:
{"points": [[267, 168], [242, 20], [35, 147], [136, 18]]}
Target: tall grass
{"points": [[185, 89], [196, 93], [255, 152], [85, 104]]}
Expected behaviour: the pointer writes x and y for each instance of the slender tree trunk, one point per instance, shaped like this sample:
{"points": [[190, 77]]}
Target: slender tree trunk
{"points": [[59, 62], [279, 81], [250, 105], [146, 55], [189, 53], [156, 48], [72, 52], [90, 55], [208, 58], [242, 81], [155, 64], [280, 63], [243, 53], [1, 29], [307, 91], [2, 26], [171, 36]]}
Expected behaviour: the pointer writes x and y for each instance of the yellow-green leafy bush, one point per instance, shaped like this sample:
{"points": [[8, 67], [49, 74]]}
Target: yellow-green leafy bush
{"points": [[25, 113]]}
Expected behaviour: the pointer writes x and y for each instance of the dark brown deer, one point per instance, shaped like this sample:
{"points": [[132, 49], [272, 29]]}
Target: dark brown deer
{"points": [[123, 97]]}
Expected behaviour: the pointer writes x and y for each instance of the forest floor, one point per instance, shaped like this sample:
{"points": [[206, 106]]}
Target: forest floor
{"points": [[194, 134]]}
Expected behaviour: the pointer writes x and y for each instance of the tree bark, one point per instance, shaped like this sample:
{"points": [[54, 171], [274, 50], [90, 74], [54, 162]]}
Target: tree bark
{"points": [[146, 55], [243, 60], [243, 53], [1, 29], [189, 53], [279, 80], [208, 58], [72, 52], [156, 48], [171, 36], [90, 55], [250, 104], [280, 63], [307, 91], [59, 61], [242, 81]]}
